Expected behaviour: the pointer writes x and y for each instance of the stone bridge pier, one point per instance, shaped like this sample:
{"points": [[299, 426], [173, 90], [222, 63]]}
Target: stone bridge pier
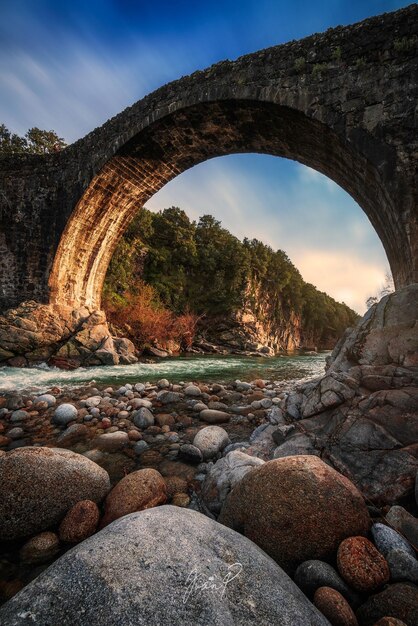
{"points": [[342, 102]]}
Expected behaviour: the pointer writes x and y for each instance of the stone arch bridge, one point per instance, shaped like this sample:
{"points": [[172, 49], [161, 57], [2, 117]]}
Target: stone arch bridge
{"points": [[343, 102]]}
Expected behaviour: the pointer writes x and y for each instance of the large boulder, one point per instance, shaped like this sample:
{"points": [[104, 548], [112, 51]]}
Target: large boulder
{"points": [[163, 567], [39, 485], [296, 508], [386, 334], [224, 475], [139, 490]]}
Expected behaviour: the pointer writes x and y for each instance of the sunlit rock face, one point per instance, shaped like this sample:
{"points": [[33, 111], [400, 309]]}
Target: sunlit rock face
{"points": [[322, 101], [64, 337]]}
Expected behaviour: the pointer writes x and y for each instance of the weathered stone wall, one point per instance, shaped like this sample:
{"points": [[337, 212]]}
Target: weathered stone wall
{"points": [[342, 102]]}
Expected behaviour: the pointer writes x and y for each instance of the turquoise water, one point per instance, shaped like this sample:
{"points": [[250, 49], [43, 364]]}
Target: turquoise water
{"points": [[286, 369]]}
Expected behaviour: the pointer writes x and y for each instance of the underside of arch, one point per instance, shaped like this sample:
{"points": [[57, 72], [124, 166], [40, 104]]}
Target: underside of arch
{"points": [[190, 136]]}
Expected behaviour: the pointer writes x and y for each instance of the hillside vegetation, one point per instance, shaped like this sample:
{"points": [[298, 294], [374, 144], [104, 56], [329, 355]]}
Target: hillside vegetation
{"points": [[170, 276]]}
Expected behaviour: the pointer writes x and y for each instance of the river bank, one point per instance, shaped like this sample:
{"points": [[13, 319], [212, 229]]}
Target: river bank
{"points": [[319, 473], [186, 444]]}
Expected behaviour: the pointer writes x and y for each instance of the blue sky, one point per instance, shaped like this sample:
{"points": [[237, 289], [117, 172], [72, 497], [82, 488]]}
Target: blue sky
{"points": [[70, 65]]}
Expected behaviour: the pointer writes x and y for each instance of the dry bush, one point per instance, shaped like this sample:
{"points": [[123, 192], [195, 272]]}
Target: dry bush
{"points": [[143, 318]]}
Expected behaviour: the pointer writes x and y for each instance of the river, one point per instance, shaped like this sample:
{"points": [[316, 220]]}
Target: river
{"points": [[286, 369]]}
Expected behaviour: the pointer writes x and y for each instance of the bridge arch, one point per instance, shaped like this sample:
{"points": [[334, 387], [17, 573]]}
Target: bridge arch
{"points": [[342, 102], [184, 138]]}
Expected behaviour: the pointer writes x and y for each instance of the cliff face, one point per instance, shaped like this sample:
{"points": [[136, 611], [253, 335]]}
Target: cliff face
{"points": [[246, 296], [254, 327]]}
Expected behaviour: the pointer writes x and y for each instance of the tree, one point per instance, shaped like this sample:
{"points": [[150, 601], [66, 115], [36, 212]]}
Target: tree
{"points": [[385, 289], [43, 141], [10, 143], [35, 141]]}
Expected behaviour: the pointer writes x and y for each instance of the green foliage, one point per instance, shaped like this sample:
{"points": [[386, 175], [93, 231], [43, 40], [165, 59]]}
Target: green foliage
{"points": [[405, 44], [35, 141], [299, 65], [336, 53], [202, 268], [318, 69]]}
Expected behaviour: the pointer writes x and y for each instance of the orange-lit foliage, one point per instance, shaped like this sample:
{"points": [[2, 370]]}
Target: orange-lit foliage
{"points": [[141, 317]]}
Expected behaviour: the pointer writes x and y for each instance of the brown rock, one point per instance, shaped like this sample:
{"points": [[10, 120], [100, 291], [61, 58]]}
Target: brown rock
{"points": [[212, 416], [260, 383], [335, 607], [4, 441], [296, 508], [40, 549], [134, 435], [80, 522], [398, 601], [72, 434], [181, 499], [140, 490], [165, 419], [362, 565], [175, 484], [39, 485]]}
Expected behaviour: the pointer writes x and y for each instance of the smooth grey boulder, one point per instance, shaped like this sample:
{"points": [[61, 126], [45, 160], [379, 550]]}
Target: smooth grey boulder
{"points": [[39, 485], [143, 418], [211, 440], [386, 539], [165, 566], [310, 575], [401, 520], [402, 566], [65, 413]]}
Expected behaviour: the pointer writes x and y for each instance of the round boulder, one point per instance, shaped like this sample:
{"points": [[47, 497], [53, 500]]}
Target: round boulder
{"points": [[143, 418], [335, 607], [167, 566], [361, 564], [139, 490], [39, 485], [80, 522], [48, 398], [211, 440], [40, 548], [65, 413], [296, 509], [313, 574]]}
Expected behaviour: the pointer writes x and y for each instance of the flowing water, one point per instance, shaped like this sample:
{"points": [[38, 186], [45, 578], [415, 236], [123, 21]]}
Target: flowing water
{"points": [[289, 369]]}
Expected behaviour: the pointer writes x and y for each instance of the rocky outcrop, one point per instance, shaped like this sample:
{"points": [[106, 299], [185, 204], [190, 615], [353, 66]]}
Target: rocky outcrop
{"points": [[361, 417], [36, 332], [165, 566], [224, 475]]}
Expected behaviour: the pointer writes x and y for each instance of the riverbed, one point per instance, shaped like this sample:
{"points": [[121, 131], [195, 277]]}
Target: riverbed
{"points": [[287, 369]]}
